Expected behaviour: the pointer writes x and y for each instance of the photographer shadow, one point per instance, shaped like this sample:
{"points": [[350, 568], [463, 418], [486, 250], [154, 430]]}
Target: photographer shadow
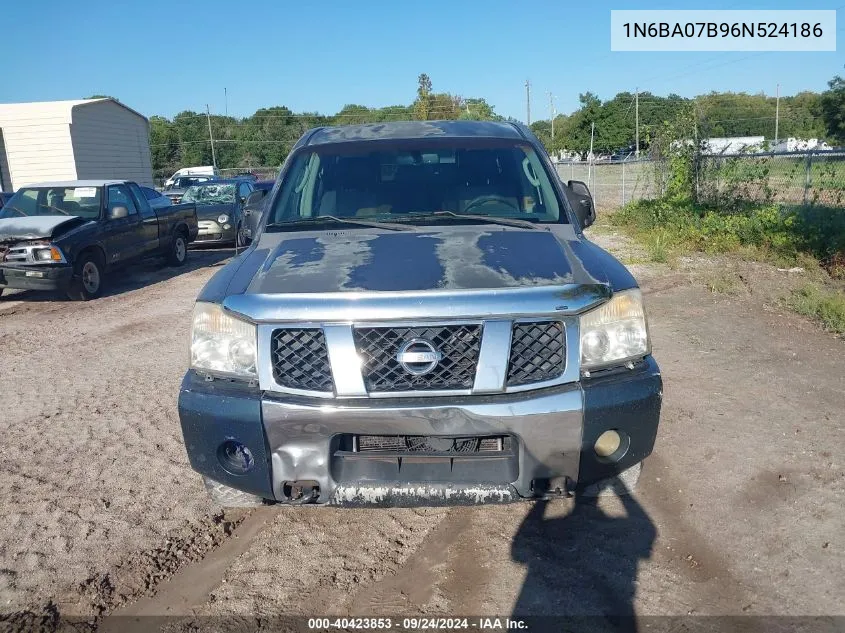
{"points": [[583, 565]]}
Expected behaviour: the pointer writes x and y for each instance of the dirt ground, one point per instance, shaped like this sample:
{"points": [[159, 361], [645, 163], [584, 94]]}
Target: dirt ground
{"points": [[739, 511]]}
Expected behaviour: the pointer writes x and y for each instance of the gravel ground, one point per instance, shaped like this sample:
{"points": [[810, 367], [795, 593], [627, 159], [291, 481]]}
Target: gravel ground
{"points": [[739, 510]]}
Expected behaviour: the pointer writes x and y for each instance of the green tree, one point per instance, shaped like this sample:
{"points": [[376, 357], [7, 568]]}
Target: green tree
{"points": [[832, 106], [423, 104]]}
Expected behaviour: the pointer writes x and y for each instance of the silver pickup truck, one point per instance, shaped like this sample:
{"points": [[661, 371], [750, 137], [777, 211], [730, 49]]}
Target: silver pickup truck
{"points": [[419, 321]]}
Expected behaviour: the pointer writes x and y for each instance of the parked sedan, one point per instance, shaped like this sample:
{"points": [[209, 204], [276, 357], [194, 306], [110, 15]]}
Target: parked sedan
{"points": [[156, 199], [220, 210]]}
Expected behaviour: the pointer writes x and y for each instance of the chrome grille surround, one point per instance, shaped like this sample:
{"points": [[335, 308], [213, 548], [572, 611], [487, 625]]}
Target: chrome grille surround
{"points": [[339, 315]]}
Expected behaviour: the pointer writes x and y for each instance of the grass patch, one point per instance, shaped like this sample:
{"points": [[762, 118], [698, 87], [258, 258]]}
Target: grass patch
{"points": [[782, 235], [657, 246], [723, 283], [825, 306]]}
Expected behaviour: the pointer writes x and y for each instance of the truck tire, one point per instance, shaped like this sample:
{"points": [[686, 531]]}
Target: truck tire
{"points": [[88, 277], [228, 497], [178, 253]]}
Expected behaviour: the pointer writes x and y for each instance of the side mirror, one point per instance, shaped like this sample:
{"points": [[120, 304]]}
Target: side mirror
{"points": [[582, 202], [255, 197], [118, 212]]}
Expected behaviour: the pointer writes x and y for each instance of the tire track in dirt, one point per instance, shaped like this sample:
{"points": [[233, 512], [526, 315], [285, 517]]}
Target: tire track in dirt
{"points": [[444, 565], [140, 575], [190, 586]]}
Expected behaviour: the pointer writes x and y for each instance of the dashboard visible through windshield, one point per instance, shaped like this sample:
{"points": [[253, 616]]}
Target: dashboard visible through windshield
{"points": [[395, 184], [83, 202]]}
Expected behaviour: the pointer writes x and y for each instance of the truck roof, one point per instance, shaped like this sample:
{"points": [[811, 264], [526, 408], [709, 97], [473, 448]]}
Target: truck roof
{"points": [[406, 130], [76, 183]]}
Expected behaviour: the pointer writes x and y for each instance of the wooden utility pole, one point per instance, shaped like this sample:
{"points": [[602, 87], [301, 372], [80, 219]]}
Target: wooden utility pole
{"points": [[211, 136], [777, 115], [552, 113]]}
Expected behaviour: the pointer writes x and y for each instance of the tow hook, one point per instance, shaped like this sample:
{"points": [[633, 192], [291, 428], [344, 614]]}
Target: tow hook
{"points": [[300, 492], [553, 487]]}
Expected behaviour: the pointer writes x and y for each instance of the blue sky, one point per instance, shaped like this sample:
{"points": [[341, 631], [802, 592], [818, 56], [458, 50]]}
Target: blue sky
{"points": [[162, 57]]}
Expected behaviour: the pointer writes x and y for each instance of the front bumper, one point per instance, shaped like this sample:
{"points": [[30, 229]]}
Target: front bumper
{"points": [[211, 231], [297, 439], [35, 277]]}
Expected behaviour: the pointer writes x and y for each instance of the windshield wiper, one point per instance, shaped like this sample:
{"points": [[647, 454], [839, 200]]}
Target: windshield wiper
{"points": [[321, 219], [527, 224], [50, 206], [8, 206]]}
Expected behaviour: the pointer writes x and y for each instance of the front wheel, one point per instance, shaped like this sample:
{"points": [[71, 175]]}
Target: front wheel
{"points": [[241, 240], [87, 281], [178, 254]]}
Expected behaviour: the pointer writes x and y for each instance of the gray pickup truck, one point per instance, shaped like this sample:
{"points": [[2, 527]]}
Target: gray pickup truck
{"points": [[419, 321], [68, 236]]}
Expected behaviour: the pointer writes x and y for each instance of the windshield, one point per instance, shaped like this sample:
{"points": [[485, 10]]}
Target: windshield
{"points": [[210, 194], [83, 202], [501, 179]]}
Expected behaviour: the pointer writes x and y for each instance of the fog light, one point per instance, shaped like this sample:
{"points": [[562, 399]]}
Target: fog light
{"points": [[227, 226], [235, 457], [607, 444]]}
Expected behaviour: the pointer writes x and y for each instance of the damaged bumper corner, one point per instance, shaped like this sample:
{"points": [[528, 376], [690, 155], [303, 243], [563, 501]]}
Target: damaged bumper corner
{"points": [[35, 277]]}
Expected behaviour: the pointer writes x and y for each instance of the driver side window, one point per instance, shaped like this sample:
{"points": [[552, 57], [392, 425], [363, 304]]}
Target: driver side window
{"points": [[118, 196]]}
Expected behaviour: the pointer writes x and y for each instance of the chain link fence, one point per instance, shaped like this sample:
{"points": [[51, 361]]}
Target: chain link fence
{"points": [[261, 173], [613, 184], [796, 178]]}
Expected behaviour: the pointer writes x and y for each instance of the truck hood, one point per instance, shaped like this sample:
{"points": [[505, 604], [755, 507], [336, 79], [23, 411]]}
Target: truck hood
{"points": [[464, 258], [35, 227]]}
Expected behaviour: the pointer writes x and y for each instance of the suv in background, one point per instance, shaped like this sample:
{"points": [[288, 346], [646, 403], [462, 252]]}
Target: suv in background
{"points": [[419, 320]]}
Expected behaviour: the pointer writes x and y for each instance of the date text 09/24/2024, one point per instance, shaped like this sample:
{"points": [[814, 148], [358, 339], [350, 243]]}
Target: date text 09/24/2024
{"points": [[417, 624]]}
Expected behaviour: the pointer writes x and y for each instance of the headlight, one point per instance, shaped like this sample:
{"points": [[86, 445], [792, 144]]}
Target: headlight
{"points": [[615, 332], [223, 219], [48, 254], [221, 343]]}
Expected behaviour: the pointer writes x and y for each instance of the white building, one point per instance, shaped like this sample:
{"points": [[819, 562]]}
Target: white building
{"points": [[792, 144], [732, 145], [70, 140]]}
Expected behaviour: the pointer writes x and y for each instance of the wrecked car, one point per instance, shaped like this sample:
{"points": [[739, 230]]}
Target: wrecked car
{"points": [[419, 320], [68, 236], [220, 205]]}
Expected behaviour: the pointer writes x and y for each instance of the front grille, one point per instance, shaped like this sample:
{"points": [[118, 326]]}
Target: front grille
{"points": [[382, 372], [538, 352], [301, 360], [431, 444]]}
